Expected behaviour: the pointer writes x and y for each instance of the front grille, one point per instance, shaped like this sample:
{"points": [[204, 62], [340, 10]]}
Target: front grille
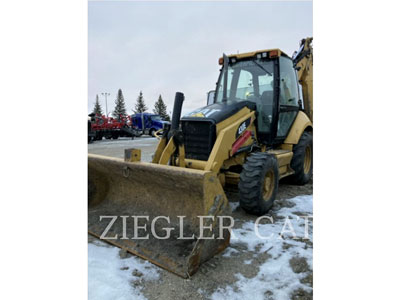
{"points": [[199, 138]]}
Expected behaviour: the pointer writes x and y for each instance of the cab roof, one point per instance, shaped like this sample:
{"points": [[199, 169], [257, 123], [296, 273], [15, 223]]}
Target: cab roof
{"points": [[275, 51]]}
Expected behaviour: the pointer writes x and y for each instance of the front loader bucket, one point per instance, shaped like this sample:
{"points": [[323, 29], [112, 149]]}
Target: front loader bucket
{"points": [[122, 193]]}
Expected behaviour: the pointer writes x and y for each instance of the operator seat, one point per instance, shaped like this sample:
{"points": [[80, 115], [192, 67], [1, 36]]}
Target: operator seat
{"points": [[267, 97], [265, 108]]}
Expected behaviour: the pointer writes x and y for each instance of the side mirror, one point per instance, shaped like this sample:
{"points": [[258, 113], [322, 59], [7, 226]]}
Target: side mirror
{"points": [[210, 97]]}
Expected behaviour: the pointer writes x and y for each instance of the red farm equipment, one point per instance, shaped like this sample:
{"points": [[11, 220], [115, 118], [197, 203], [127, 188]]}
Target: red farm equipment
{"points": [[111, 128]]}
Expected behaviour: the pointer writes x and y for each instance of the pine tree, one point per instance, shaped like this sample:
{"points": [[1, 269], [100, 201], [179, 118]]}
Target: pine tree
{"points": [[160, 108], [97, 107], [140, 106], [119, 105]]}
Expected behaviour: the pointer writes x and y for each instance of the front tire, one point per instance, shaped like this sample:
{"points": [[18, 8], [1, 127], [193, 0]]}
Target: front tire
{"points": [[258, 184], [302, 161]]}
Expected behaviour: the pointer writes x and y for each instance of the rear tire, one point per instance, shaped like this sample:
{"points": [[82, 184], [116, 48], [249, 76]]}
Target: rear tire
{"points": [[302, 161], [258, 183], [151, 133]]}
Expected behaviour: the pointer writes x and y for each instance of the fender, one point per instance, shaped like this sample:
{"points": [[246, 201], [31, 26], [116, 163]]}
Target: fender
{"points": [[300, 124]]}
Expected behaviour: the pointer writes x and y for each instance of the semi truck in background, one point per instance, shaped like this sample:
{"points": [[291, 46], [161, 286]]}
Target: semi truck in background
{"points": [[147, 123]]}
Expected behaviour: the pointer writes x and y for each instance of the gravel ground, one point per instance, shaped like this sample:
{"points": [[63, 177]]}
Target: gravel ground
{"points": [[278, 269]]}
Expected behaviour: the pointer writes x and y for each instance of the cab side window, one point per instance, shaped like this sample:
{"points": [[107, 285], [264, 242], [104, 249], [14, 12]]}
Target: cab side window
{"points": [[288, 83], [288, 96]]}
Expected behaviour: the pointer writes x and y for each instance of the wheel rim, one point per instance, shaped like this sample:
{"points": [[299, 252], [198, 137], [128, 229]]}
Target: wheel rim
{"points": [[269, 185], [307, 160]]}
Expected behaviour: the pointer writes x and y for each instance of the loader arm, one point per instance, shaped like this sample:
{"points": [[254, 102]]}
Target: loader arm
{"points": [[303, 63]]}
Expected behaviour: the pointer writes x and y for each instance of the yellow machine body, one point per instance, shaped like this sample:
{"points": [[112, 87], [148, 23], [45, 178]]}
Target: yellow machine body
{"points": [[174, 185]]}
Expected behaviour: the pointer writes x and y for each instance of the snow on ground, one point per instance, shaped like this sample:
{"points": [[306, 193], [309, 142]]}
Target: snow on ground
{"points": [[275, 277], [229, 252], [111, 277]]}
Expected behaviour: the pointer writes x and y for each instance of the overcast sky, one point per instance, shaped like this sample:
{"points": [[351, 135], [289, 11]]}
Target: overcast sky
{"points": [[165, 47]]}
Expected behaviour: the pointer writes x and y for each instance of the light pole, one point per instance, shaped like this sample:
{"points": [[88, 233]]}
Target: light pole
{"points": [[105, 95]]}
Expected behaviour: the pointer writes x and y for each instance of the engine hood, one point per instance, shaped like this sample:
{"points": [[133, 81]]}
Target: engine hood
{"points": [[218, 112]]}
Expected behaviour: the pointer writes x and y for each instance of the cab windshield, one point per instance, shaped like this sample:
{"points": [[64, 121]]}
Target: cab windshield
{"points": [[250, 81], [247, 81]]}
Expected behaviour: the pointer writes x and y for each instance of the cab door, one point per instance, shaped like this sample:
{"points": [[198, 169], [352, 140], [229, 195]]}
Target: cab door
{"points": [[289, 104]]}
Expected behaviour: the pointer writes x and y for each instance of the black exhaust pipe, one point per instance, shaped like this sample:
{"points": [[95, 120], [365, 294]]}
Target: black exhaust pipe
{"points": [[176, 113]]}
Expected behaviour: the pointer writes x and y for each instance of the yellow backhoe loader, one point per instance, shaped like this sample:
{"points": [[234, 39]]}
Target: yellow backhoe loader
{"points": [[255, 130]]}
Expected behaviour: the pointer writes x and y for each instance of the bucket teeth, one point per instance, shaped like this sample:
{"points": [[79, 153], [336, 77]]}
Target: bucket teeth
{"points": [[160, 199]]}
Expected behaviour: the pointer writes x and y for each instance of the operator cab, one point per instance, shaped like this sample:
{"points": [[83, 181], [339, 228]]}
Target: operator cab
{"points": [[268, 79]]}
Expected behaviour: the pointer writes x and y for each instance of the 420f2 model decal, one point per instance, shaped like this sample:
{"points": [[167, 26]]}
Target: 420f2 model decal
{"points": [[242, 127]]}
